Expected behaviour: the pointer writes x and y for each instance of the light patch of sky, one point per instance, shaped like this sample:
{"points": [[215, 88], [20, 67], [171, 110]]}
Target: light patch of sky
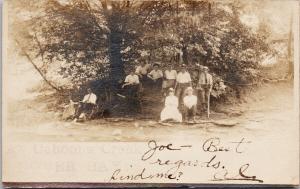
{"points": [[276, 13], [250, 20]]}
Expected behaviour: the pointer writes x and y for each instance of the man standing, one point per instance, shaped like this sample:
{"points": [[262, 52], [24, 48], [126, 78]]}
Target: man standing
{"points": [[183, 81], [170, 78], [156, 76], [204, 86], [189, 105]]}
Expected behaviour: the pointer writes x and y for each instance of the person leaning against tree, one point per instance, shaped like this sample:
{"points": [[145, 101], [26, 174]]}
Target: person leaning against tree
{"points": [[183, 81]]}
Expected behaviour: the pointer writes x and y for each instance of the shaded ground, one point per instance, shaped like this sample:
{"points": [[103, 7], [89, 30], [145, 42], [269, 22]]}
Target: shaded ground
{"points": [[266, 111]]}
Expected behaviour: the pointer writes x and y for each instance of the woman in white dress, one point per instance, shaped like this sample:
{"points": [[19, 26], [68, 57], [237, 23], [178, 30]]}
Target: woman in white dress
{"points": [[170, 111]]}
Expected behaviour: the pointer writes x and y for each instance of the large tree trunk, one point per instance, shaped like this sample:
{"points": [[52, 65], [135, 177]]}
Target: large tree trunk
{"points": [[115, 41], [116, 64]]}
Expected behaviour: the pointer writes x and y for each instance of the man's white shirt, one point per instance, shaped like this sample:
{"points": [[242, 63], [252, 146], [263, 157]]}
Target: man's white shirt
{"points": [[142, 69], [132, 79], [183, 77], [171, 74], [90, 98], [156, 74], [190, 101]]}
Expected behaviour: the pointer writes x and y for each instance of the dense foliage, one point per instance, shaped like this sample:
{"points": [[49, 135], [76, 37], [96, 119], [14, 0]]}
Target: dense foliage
{"points": [[79, 41]]}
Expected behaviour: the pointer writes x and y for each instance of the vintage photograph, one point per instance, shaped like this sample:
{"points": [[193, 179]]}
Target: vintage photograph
{"points": [[139, 71]]}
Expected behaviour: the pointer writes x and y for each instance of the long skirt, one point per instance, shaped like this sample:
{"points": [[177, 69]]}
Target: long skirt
{"points": [[171, 113]]}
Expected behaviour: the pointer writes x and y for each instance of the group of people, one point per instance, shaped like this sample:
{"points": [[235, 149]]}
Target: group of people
{"points": [[177, 87], [183, 97]]}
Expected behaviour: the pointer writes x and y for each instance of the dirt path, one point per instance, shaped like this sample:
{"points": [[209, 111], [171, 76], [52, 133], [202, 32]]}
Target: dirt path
{"points": [[268, 111]]}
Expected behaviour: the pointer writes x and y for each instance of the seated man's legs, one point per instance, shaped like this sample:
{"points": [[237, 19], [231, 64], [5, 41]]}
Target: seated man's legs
{"points": [[193, 111], [89, 109], [134, 90], [185, 112], [85, 108], [155, 84], [131, 90], [79, 110], [132, 97], [143, 81], [158, 84], [189, 112]]}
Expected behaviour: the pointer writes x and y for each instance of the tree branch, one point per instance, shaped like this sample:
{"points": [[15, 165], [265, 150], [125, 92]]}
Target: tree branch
{"points": [[36, 67], [40, 47]]}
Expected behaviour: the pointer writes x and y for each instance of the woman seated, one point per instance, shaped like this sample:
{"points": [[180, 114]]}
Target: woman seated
{"points": [[171, 112]]}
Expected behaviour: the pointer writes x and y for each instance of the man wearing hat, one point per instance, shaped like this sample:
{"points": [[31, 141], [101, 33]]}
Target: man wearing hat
{"points": [[204, 86], [183, 81], [189, 105], [156, 76]]}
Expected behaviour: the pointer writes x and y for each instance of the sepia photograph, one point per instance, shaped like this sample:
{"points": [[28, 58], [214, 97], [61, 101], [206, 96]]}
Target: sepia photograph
{"points": [[149, 82]]}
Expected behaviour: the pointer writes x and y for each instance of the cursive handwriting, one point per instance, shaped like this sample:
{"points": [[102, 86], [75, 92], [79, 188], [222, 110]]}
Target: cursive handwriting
{"points": [[172, 169], [177, 164], [214, 145], [153, 147], [118, 175], [224, 175]]}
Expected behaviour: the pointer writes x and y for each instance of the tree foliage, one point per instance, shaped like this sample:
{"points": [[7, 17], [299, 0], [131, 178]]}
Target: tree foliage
{"points": [[79, 41]]}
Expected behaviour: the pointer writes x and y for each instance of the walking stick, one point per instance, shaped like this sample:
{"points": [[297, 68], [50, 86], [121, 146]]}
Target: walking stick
{"points": [[208, 104]]}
